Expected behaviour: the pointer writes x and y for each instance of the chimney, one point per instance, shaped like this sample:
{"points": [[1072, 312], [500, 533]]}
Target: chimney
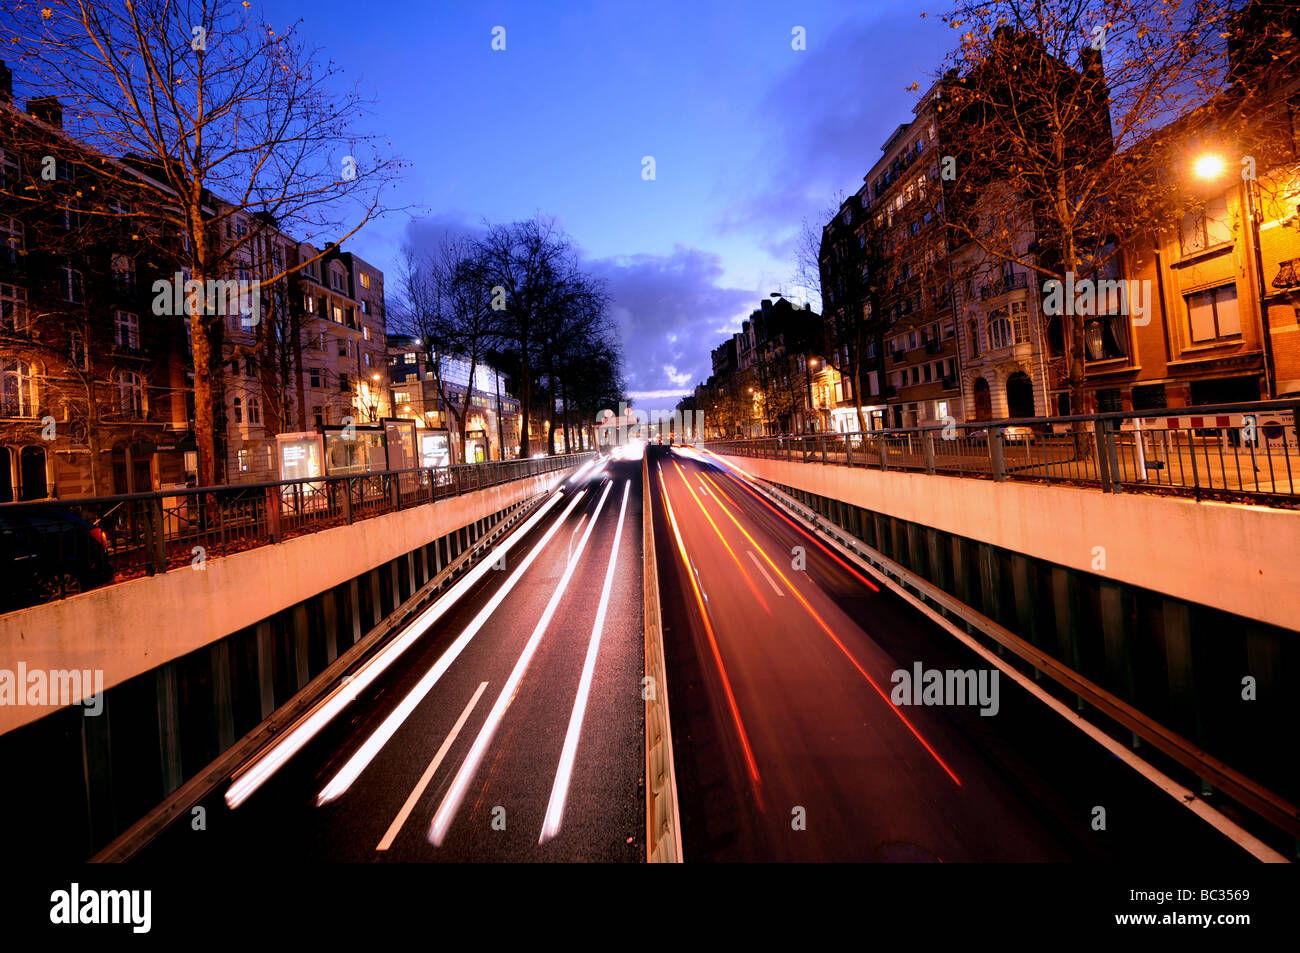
{"points": [[6, 84], [47, 110]]}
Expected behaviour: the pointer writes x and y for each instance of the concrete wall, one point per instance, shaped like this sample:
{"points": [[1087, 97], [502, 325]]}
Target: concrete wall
{"points": [[138, 625], [1241, 559]]}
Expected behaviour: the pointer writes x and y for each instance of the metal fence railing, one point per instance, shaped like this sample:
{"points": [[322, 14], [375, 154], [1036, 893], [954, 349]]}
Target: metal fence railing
{"points": [[53, 548], [1248, 451]]}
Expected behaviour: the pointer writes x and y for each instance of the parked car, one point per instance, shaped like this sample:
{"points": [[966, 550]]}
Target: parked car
{"points": [[46, 552]]}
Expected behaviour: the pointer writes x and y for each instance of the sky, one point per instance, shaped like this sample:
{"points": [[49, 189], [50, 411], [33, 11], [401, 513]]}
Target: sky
{"points": [[749, 138]]}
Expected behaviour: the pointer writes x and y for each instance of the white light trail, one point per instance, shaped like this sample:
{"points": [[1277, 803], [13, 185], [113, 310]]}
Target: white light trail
{"points": [[293, 740], [464, 777], [560, 789], [381, 735]]}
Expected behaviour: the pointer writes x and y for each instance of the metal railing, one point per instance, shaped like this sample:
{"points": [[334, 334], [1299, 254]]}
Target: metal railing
{"points": [[1247, 452], [53, 548]]}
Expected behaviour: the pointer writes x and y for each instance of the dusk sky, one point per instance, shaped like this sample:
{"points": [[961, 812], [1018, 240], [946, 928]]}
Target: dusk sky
{"points": [[748, 135]]}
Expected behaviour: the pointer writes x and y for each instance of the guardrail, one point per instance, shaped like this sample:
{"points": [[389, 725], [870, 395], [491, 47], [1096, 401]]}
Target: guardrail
{"points": [[53, 548], [1242, 452]]}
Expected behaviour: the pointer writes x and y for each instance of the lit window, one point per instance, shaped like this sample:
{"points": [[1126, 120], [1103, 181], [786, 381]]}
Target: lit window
{"points": [[1213, 314], [130, 388], [13, 308], [126, 330], [365, 280], [1205, 227], [17, 394]]}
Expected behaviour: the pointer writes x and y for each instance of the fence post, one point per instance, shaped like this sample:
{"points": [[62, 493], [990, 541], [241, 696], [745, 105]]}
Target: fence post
{"points": [[997, 460], [395, 490], [821, 438], [1102, 454], [848, 450], [884, 451], [347, 499], [927, 442], [273, 513]]}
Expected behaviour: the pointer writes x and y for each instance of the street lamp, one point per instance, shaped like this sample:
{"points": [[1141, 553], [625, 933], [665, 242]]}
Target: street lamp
{"points": [[1208, 167], [812, 362]]}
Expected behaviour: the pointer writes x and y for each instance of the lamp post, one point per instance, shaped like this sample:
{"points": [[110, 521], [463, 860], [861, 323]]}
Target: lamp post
{"points": [[1208, 167], [812, 362]]}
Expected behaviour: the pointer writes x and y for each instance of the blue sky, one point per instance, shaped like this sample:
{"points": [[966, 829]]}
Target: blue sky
{"points": [[749, 137]]}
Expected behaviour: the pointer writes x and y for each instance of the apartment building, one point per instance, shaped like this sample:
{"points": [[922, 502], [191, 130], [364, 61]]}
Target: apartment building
{"points": [[493, 421]]}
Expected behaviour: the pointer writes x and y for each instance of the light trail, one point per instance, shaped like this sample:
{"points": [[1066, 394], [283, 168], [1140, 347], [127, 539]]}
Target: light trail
{"points": [[451, 802], [251, 777], [381, 735], [568, 755], [713, 641], [839, 644]]}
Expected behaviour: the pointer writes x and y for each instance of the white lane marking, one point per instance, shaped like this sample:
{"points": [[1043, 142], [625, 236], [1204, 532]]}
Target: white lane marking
{"points": [[451, 801], [563, 774], [429, 772], [581, 520], [292, 741], [381, 735], [764, 572]]}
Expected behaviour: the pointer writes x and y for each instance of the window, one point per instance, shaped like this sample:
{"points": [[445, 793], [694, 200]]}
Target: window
{"points": [[123, 269], [17, 393], [1000, 334], [1212, 314], [309, 304], [343, 347], [13, 308], [365, 280], [250, 366], [10, 171], [974, 328], [337, 314], [254, 410], [244, 457], [70, 216], [239, 410], [336, 280], [77, 351], [365, 334], [409, 357], [126, 330], [315, 377], [365, 306], [367, 356], [318, 416], [72, 285], [344, 385], [11, 238], [130, 389], [1205, 227]]}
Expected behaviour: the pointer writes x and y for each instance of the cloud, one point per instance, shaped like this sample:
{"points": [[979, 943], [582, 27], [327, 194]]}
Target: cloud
{"points": [[669, 308], [826, 120]]}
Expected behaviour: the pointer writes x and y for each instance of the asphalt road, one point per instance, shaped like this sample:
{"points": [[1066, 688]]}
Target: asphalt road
{"points": [[780, 660], [478, 748]]}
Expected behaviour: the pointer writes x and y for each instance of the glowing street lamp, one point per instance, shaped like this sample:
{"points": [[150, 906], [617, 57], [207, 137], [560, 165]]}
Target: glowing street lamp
{"points": [[1208, 166]]}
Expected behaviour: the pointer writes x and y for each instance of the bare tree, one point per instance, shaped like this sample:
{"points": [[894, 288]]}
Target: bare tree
{"points": [[228, 117], [1050, 99]]}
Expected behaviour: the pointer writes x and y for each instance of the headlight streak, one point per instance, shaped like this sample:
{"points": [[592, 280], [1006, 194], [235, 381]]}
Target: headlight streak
{"points": [[451, 802], [247, 780], [713, 641], [568, 755], [351, 770]]}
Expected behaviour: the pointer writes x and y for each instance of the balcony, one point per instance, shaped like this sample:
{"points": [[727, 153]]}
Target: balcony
{"points": [[898, 355], [933, 346], [950, 382], [13, 408], [1003, 285]]}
